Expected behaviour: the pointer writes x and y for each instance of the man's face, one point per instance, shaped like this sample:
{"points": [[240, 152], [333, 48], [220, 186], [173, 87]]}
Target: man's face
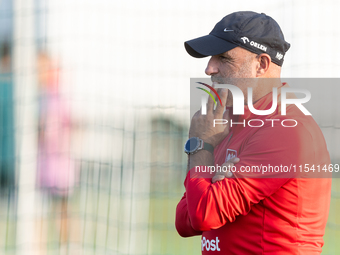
{"points": [[230, 67]]}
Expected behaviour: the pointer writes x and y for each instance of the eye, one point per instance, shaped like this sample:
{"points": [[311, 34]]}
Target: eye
{"points": [[224, 59]]}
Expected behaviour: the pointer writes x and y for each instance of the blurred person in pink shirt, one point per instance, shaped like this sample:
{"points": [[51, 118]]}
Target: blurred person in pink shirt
{"points": [[56, 171]]}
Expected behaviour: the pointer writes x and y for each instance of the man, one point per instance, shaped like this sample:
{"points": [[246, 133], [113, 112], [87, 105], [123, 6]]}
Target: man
{"points": [[240, 212]]}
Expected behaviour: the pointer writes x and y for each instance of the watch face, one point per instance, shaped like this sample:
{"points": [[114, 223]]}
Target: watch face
{"points": [[192, 144]]}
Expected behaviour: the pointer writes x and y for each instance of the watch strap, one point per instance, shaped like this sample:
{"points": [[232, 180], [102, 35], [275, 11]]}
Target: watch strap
{"points": [[208, 147]]}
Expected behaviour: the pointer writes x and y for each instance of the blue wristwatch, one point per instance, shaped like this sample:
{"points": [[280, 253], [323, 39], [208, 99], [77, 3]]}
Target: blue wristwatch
{"points": [[195, 144]]}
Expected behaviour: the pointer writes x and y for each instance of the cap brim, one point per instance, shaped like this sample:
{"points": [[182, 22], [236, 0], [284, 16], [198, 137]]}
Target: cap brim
{"points": [[208, 45]]}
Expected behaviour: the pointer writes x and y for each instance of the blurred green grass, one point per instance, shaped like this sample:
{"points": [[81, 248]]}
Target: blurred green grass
{"points": [[90, 234]]}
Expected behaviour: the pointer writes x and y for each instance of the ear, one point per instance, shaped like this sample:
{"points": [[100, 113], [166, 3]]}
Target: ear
{"points": [[264, 62]]}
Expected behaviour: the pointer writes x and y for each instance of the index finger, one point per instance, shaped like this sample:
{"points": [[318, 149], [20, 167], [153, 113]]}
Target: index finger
{"points": [[223, 93]]}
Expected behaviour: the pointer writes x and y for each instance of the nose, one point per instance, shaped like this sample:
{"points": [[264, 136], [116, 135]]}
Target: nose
{"points": [[212, 68]]}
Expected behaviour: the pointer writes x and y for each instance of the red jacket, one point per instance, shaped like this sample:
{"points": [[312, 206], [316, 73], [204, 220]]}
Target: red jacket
{"points": [[250, 214]]}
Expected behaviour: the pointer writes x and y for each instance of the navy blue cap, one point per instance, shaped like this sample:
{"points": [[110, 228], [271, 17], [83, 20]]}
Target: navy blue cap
{"points": [[252, 31]]}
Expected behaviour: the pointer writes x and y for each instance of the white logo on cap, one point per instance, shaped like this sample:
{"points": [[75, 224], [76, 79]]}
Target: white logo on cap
{"points": [[279, 56], [227, 30], [257, 45], [245, 39], [254, 44]]}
